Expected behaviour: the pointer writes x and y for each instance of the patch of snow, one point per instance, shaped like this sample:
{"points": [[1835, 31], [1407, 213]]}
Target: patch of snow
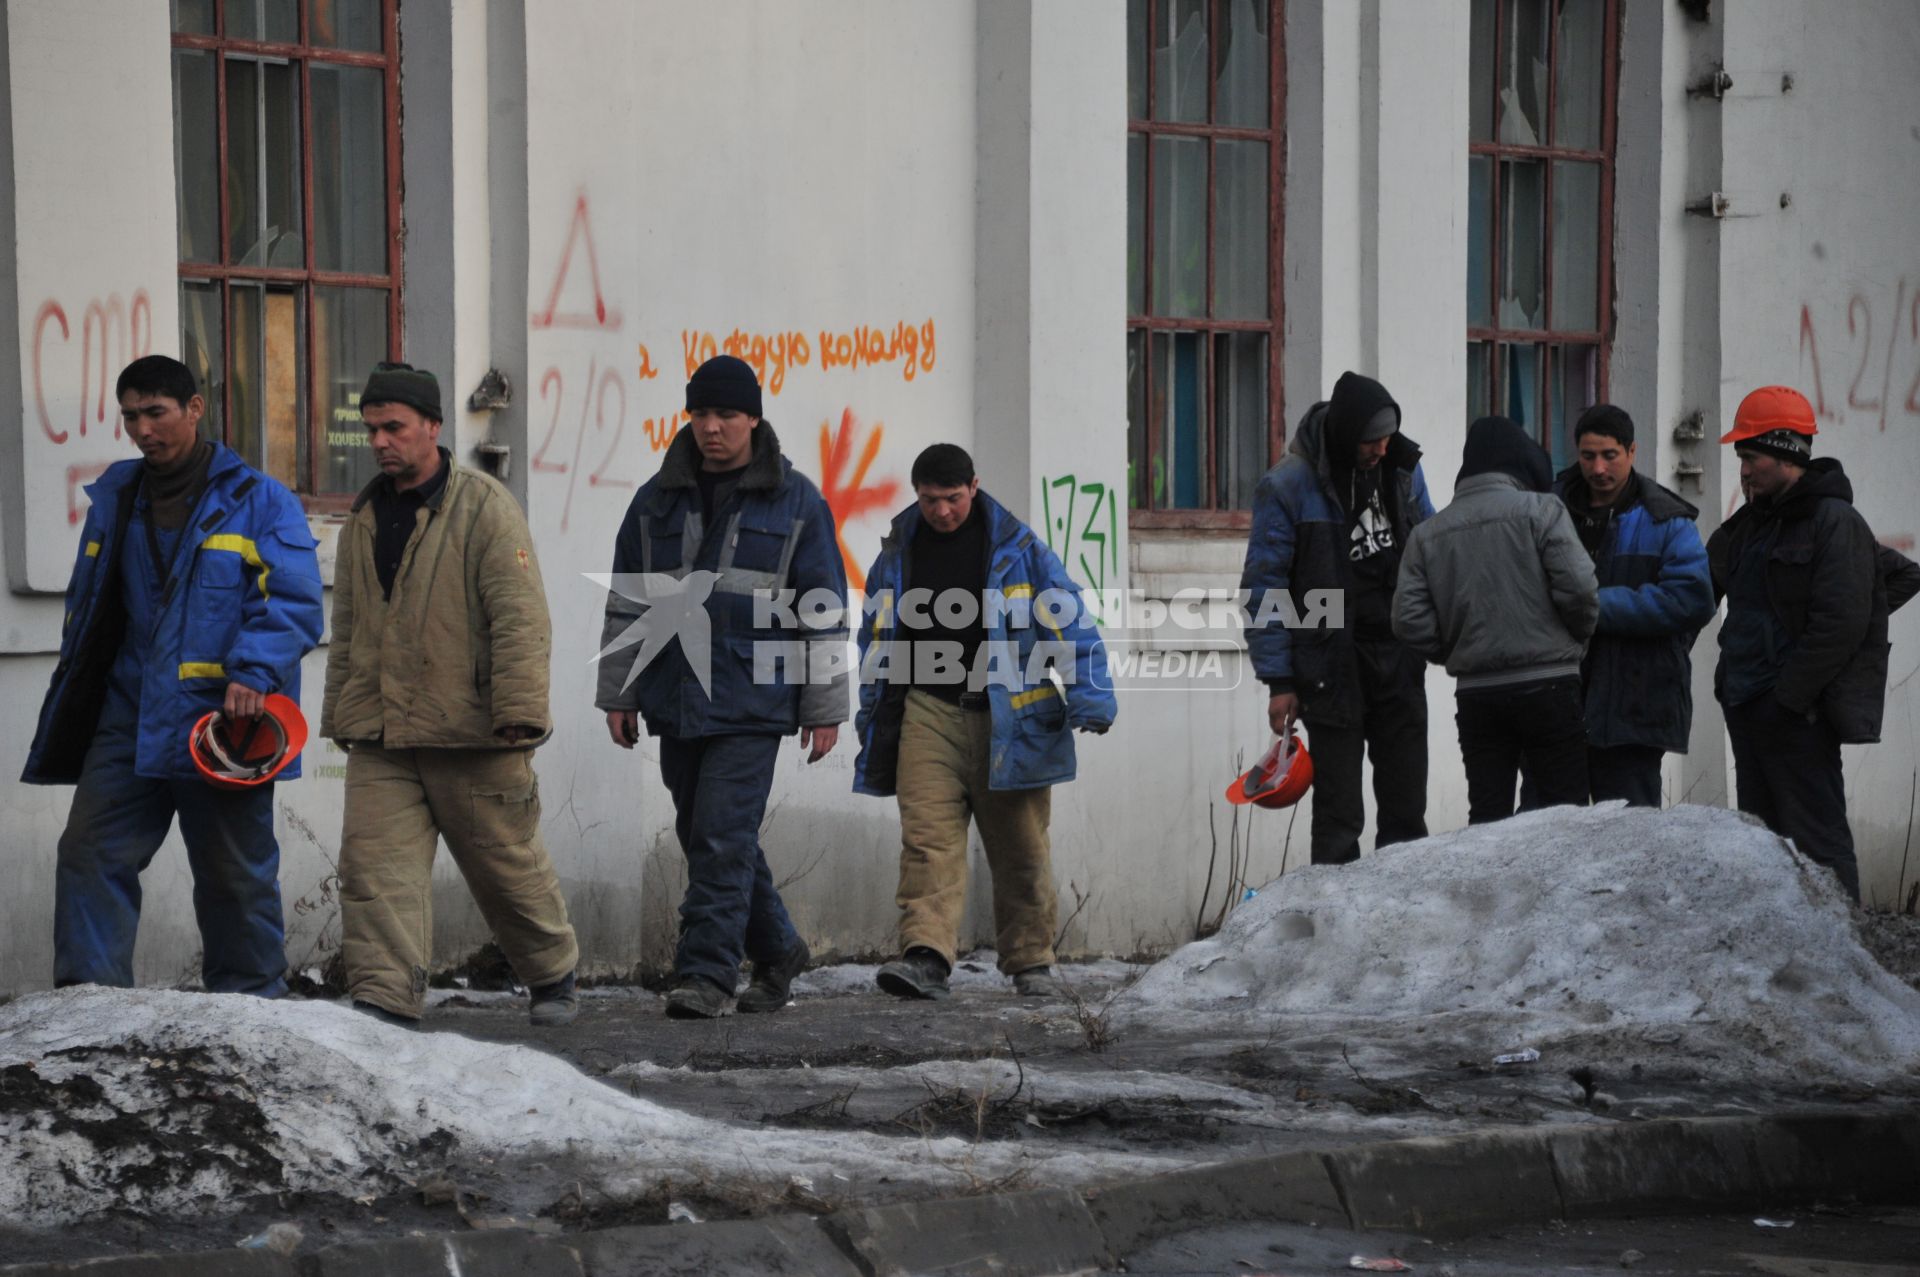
{"points": [[1692, 942], [162, 1102]]}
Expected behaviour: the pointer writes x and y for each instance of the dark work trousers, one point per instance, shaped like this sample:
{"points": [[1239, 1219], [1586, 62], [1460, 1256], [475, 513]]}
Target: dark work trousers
{"points": [[1540, 724], [1630, 772], [719, 786], [117, 823], [1787, 772], [1393, 733]]}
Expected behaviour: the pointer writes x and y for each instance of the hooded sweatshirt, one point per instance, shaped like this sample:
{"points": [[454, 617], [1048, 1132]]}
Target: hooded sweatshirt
{"points": [[1366, 499]]}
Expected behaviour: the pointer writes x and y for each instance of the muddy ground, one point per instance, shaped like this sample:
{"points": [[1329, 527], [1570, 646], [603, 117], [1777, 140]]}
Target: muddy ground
{"points": [[985, 1067]]}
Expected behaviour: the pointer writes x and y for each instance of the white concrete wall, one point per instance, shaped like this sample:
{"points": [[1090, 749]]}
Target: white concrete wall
{"points": [[1824, 295], [797, 173]]}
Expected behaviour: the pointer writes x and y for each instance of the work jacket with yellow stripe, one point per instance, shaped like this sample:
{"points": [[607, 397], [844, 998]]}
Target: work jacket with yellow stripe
{"points": [[1047, 665], [241, 603]]}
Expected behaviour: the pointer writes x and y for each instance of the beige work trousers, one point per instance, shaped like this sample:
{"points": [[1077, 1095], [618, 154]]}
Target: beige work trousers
{"points": [[487, 804], [942, 782]]}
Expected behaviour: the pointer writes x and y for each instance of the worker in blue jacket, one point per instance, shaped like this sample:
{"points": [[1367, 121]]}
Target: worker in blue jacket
{"points": [[725, 632], [1655, 594], [978, 661], [196, 589]]}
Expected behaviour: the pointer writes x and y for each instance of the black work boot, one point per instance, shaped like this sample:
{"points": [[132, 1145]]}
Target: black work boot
{"points": [[554, 1004], [698, 998], [772, 984], [1037, 982], [918, 973], [385, 1016]]}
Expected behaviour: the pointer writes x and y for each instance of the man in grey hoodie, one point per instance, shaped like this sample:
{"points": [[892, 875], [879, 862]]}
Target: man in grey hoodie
{"points": [[1498, 587]]}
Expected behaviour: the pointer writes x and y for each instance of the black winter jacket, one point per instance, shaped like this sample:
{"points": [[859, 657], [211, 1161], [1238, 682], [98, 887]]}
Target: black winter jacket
{"points": [[1828, 585]]}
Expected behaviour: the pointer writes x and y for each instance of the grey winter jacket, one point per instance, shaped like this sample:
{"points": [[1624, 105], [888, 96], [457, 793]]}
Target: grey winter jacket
{"points": [[1498, 587]]}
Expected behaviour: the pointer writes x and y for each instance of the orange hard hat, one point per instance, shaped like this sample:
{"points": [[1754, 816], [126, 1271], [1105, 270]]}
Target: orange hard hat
{"points": [[1281, 779], [240, 754], [1768, 409]]}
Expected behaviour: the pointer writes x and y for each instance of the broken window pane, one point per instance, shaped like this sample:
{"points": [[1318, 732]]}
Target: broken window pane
{"points": [[263, 165], [1579, 52], [1180, 61], [1522, 218], [1523, 73], [1240, 65]]}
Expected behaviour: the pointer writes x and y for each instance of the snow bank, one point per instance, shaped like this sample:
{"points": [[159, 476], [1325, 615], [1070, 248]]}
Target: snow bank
{"points": [[1690, 942], [166, 1103]]}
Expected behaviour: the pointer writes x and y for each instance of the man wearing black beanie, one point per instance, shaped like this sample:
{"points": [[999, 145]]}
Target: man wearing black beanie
{"points": [[728, 576], [437, 687]]}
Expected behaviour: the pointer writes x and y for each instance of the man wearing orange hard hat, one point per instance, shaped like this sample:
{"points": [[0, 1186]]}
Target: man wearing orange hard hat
{"points": [[1803, 651]]}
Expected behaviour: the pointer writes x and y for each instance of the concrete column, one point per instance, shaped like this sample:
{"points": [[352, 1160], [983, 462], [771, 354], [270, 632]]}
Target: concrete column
{"points": [[1050, 372]]}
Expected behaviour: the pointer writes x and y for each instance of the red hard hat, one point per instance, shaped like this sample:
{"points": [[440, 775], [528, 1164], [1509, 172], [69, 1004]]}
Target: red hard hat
{"points": [[241, 754], [1281, 779], [1768, 409]]}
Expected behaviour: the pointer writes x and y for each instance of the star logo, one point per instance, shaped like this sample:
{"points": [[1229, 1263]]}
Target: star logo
{"points": [[666, 608]]}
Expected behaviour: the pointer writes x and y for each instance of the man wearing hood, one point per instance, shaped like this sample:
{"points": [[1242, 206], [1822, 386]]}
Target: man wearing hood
{"points": [[1499, 588], [1803, 652], [1655, 595], [1335, 514]]}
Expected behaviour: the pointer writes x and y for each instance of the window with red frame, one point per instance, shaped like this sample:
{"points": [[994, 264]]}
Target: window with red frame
{"points": [[1540, 212], [287, 162], [1205, 143]]}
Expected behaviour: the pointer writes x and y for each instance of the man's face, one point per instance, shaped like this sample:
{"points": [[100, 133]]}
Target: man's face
{"points": [[1367, 456], [163, 428], [945, 509], [405, 442], [725, 436], [1765, 475], [1606, 465]]}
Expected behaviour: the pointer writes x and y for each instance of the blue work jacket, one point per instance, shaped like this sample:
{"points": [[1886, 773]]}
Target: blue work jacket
{"points": [[1032, 724], [773, 665], [240, 603]]}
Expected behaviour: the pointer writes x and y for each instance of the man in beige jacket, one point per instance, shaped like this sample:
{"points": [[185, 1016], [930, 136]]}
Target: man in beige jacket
{"points": [[437, 688]]}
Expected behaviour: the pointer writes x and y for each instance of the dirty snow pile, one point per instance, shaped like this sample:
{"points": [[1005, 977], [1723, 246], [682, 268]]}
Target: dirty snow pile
{"points": [[166, 1103], [1691, 943]]}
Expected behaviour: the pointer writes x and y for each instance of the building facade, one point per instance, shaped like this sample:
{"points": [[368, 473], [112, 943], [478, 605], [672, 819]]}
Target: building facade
{"points": [[1113, 249]]}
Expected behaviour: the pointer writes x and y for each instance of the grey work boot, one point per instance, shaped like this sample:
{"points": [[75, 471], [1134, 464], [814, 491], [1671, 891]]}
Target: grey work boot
{"points": [[698, 998], [1037, 982], [554, 1004], [772, 984], [918, 973]]}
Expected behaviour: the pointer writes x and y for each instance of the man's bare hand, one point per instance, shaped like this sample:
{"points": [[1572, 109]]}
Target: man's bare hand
{"points": [[624, 726], [819, 741], [243, 702], [1282, 710]]}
